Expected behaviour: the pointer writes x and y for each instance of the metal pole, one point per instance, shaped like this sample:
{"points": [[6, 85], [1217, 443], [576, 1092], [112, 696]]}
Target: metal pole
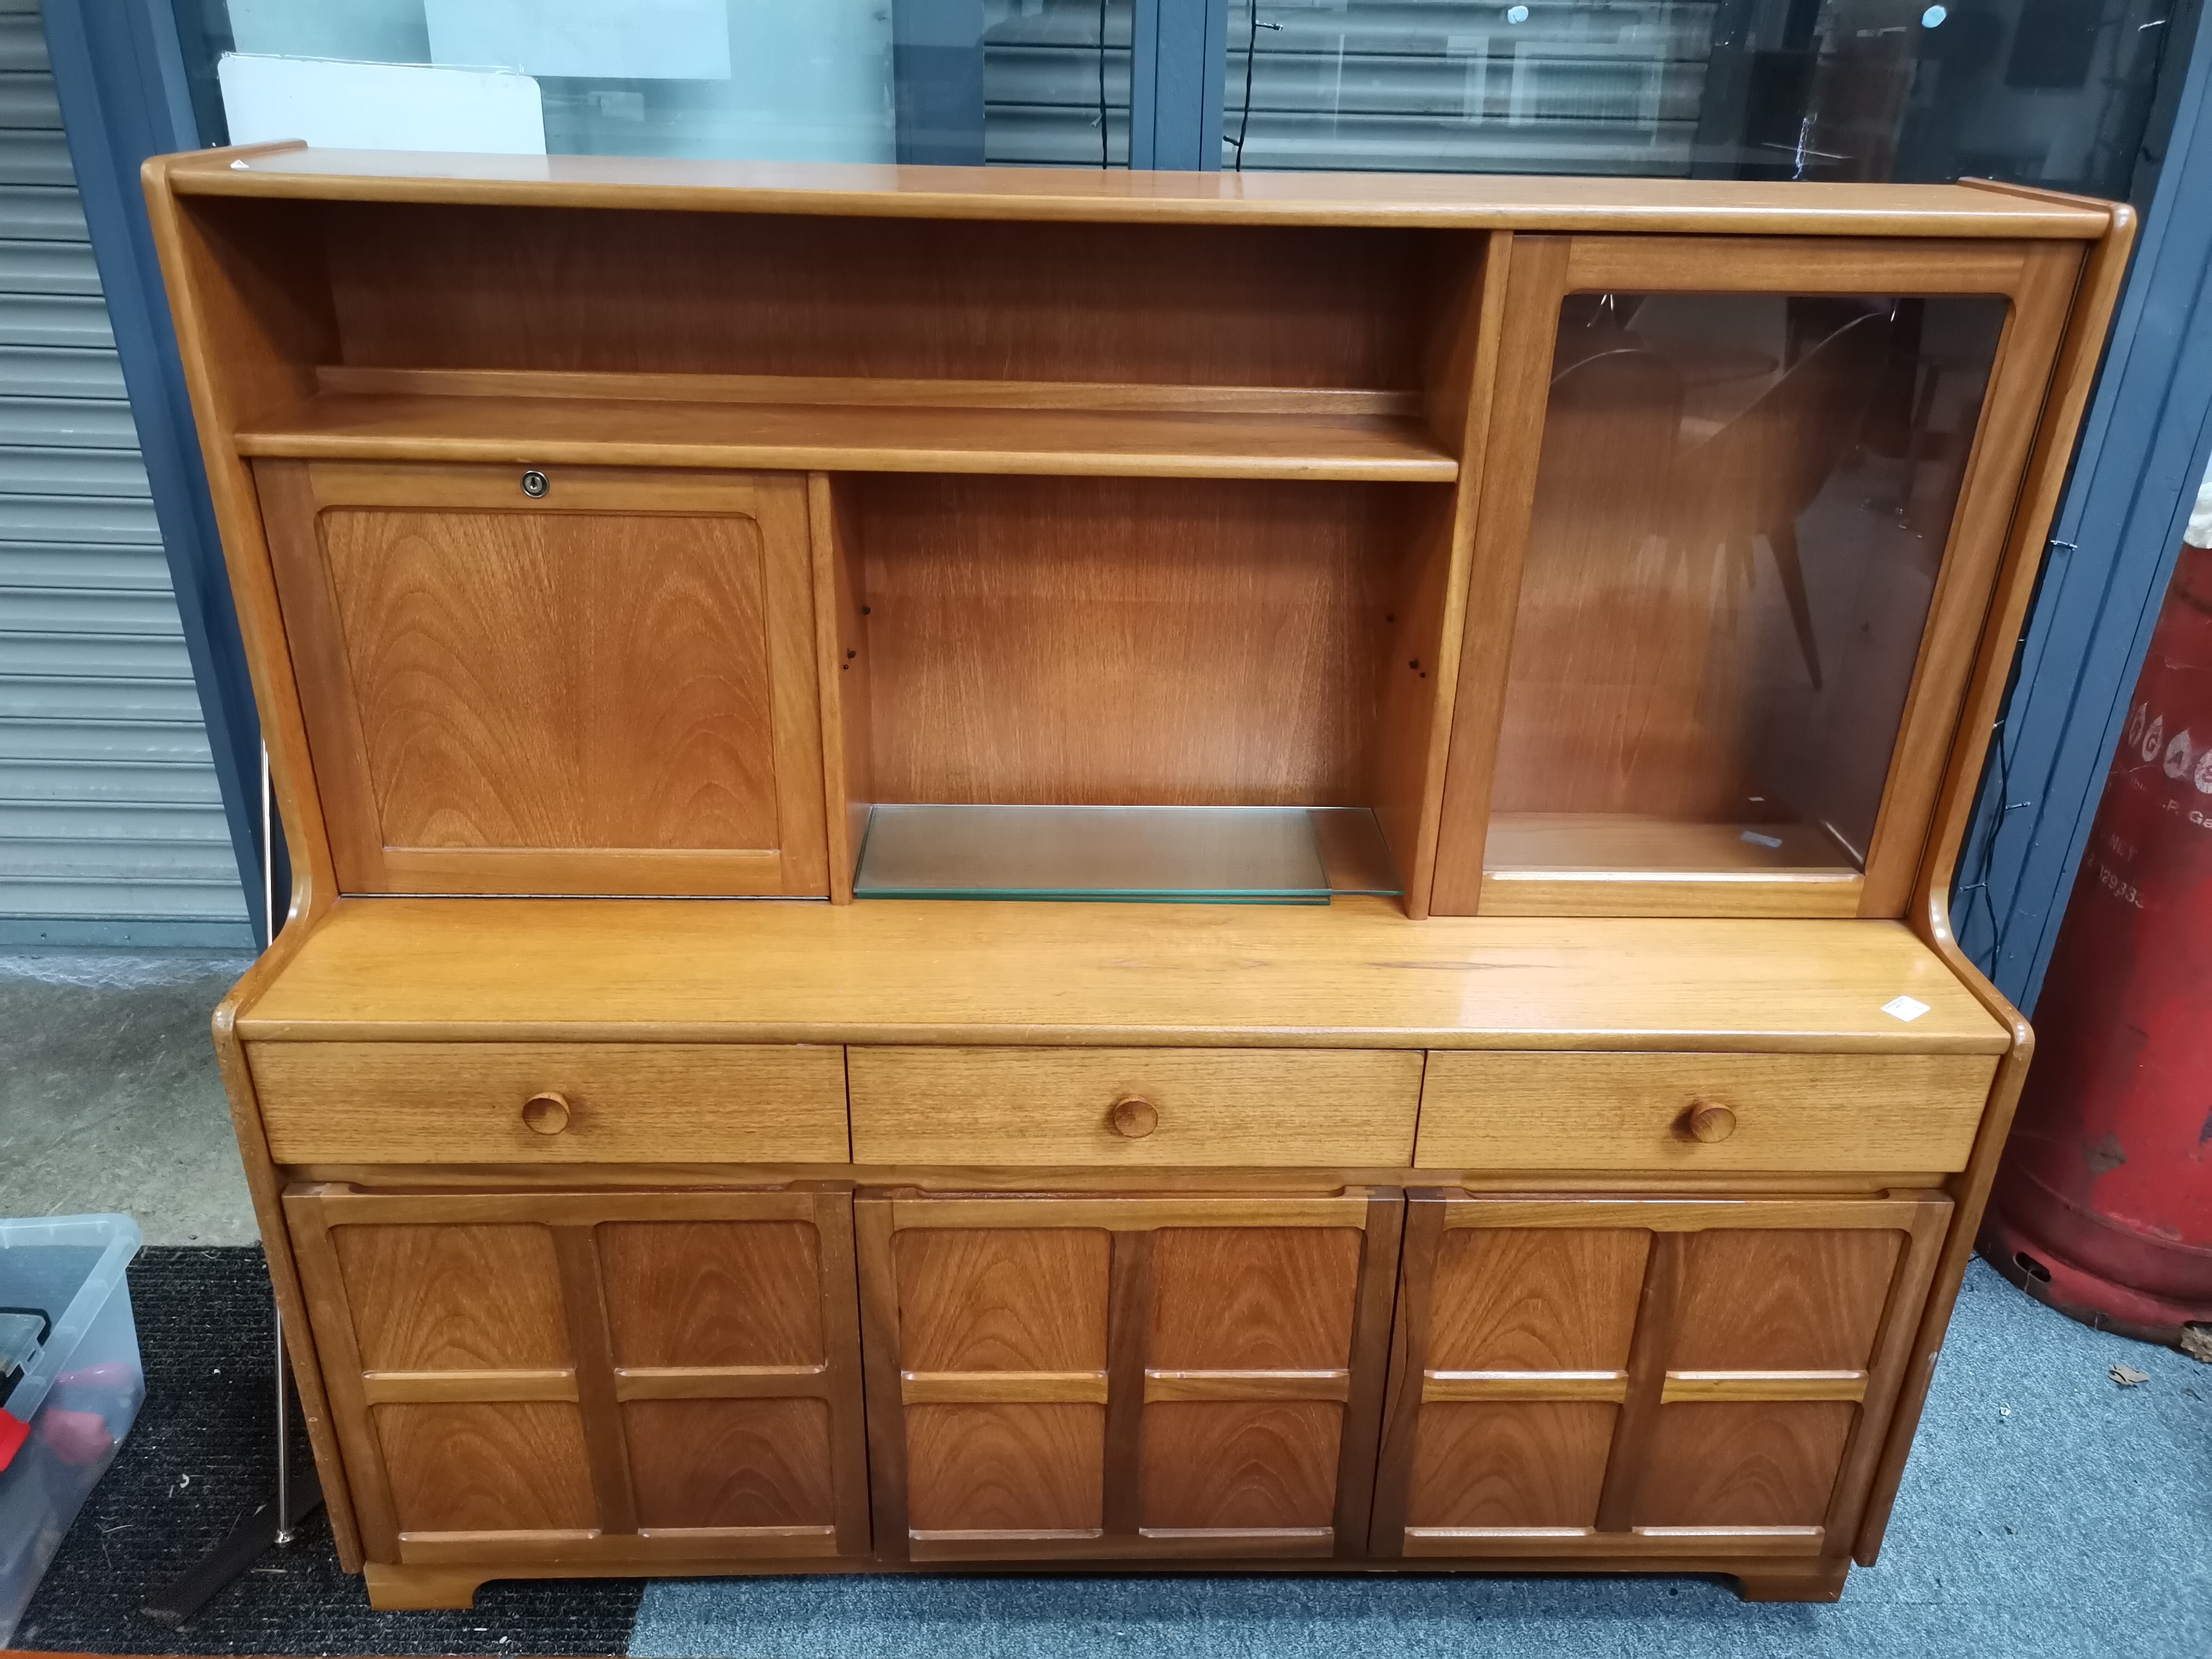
{"points": [[283, 1383], [283, 1441]]}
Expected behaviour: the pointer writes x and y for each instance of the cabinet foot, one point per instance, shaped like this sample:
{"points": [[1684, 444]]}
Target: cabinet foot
{"points": [[1824, 1584], [395, 1590]]}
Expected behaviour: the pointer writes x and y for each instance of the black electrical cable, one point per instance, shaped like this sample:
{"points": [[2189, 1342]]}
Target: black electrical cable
{"points": [[1251, 51], [1102, 162]]}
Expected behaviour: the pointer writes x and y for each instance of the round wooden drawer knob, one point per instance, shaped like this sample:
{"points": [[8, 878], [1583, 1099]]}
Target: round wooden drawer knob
{"points": [[1710, 1122], [547, 1113], [1133, 1117]]}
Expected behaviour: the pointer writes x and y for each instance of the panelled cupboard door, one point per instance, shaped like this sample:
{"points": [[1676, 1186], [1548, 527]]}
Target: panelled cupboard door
{"points": [[1658, 1378], [605, 687], [602, 1378], [1124, 1377], [1729, 586]]}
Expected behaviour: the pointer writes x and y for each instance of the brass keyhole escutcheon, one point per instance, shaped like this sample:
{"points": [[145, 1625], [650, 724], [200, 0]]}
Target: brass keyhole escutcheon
{"points": [[547, 1113], [1133, 1117], [1709, 1121]]}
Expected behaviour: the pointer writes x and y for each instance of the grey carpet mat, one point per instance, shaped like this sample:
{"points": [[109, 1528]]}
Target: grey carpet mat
{"points": [[202, 1456]]}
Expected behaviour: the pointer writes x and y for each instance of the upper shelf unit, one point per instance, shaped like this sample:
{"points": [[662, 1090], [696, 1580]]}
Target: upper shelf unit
{"points": [[425, 332], [842, 424]]}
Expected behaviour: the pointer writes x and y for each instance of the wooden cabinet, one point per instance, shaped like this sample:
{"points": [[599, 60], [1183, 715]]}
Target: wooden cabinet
{"points": [[1624, 1378], [591, 1380], [1124, 1377], [573, 680], [1543, 635]]}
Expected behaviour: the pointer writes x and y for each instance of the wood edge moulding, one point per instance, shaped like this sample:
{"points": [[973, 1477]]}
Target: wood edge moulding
{"points": [[1376, 200]]}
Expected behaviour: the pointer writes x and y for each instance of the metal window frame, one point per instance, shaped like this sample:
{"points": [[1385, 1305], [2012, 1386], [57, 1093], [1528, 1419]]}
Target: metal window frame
{"points": [[120, 72], [2136, 470]]}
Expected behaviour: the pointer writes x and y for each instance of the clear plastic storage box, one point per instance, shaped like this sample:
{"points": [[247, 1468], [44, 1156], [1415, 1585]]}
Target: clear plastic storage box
{"points": [[71, 1381]]}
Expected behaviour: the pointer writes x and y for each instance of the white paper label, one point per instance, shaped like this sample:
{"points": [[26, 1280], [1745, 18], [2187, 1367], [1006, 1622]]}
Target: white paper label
{"points": [[1905, 1008]]}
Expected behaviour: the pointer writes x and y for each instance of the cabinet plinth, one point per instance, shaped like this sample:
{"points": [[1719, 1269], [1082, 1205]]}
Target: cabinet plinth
{"points": [[1567, 1167]]}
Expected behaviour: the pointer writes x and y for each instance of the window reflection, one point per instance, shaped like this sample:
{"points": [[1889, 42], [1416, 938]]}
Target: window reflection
{"points": [[1740, 510]]}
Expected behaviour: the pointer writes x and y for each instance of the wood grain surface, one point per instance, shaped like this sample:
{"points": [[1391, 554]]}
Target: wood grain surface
{"points": [[1478, 201], [472, 1298], [486, 1467], [594, 692], [713, 1293], [1354, 972], [1052, 1106], [1601, 1111], [730, 1462], [1527, 1463], [1071, 641], [463, 1102]]}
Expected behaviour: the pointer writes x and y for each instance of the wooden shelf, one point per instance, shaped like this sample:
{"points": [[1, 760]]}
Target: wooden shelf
{"points": [[804, 423], [1354, 973]]}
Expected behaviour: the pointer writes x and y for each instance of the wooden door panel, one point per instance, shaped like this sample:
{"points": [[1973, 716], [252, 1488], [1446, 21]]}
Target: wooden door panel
{"points": [[487, 1468], [1509, 1464], [460, 1298], [1254, 1299], [731, 1462], [557, 680], [1573, 1372], [1004, 1468], [709, 1293], [1788, 1301], [1003, 1300], [1535, 1299], [1119, 1377], [1756, 1465], [649, 1375], [609, 689], [1241, 1466]]}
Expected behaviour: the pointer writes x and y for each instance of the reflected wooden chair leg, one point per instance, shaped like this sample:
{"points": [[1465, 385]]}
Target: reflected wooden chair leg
{"points": [[1783, 539]]}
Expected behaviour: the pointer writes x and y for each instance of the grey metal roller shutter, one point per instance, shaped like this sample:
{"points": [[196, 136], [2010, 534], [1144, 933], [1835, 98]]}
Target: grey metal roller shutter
{"points": [[111, 831], [1387, 86]]}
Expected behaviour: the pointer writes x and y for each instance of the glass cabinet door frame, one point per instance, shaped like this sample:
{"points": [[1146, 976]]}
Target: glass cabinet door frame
{"points": [[2038, 280]]}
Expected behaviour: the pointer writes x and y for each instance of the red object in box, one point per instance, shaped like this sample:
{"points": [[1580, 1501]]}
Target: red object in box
{"points": [[2103, 1207]]}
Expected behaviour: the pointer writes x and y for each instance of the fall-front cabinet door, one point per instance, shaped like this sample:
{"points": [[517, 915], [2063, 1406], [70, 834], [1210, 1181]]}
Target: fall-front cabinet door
{"points": [[581, 680], [1094, 1378], [1647, 1379], [590, 1378]]}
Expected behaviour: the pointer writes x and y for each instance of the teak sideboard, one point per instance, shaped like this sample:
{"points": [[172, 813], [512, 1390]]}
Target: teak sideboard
{"points": [[1517, 654]]}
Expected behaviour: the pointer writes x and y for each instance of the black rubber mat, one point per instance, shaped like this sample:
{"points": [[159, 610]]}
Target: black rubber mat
{"points": [[202, 1456]]}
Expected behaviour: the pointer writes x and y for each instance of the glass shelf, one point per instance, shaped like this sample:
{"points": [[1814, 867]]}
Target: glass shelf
{"points": [[1173, 854]]}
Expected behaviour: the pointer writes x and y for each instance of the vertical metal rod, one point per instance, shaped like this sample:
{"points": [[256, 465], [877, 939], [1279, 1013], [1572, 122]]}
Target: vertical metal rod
{"points": [[283, 1440], [268, 856], [284, 1382]]}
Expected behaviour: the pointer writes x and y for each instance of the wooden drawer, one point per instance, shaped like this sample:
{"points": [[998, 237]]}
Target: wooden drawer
{"points": [[1906, 1113], [627, 1102], [1331, 1107]]}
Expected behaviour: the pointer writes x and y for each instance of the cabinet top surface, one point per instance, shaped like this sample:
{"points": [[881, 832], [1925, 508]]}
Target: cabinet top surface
{"points": [[1440, 201], [1352, 974]]}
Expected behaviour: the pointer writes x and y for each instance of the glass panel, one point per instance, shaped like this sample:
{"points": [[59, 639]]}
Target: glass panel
{"points": [[1249, 855], [2069, 93], [1740, 510]]}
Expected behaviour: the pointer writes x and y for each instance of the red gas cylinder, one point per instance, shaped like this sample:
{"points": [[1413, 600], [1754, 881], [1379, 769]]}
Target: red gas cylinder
{"points": [[2103, 1206]]}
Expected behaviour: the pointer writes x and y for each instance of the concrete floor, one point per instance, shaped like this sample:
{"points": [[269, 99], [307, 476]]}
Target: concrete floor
{"points": [[109, 1098]]}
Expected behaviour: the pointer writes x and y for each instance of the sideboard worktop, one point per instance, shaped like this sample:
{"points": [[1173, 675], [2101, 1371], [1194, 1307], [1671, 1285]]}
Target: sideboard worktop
{"points": [[1354, 971]]}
